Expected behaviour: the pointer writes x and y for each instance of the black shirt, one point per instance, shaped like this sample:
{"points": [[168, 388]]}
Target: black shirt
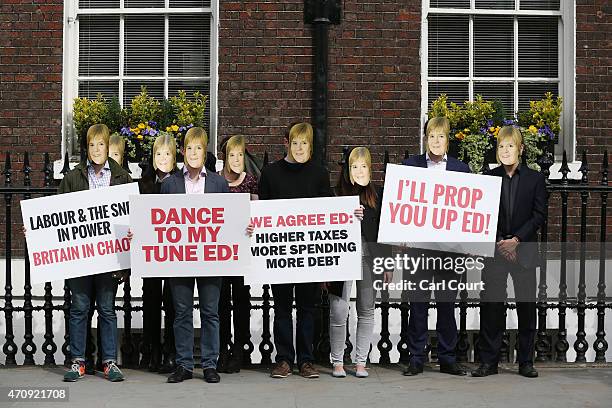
{"points": [[281, 180], [508, 197]]}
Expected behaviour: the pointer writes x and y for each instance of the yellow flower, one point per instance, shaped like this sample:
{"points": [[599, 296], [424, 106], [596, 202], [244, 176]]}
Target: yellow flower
{"points": [[466, 130], [175, 128], [533, 129], [459, 135], [140, 137], [141, 125], [491, 129]]}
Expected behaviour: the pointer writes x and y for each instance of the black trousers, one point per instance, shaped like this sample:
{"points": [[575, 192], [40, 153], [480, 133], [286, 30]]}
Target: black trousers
{"points": [[492, 320], [446, 325], [234, 291], [305, 296], [153, 296]]}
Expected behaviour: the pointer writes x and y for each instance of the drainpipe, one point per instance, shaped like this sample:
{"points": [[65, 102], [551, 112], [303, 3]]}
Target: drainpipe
{"points": [[320, 14]]}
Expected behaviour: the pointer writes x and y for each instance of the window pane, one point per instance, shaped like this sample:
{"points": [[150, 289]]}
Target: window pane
{"points": [[540, 4], [535, 91], [493, 46], [98, 45], [90, 89], [190, 87], [457, 92], [448, 45], [538, 54], [132, 88], [144, 3], [503, 91], [144, 45], [189, 3], [189, 45], [495, 4], [87, 4], [450, 3]]}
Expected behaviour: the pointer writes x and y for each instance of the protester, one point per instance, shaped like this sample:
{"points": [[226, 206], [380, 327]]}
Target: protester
{"points": [[233, 290], [356, 180], [522, 211], [435, 158], [162, 166]]}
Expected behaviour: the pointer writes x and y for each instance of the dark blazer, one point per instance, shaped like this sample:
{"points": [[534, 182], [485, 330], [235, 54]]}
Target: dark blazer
{"points": [[175, 184], [528, 214], [452, 164]]}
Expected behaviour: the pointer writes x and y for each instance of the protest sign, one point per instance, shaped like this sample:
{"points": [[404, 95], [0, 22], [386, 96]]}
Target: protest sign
{"points": [[305, 240], [190, 235], [78, 234], [441, 210]]}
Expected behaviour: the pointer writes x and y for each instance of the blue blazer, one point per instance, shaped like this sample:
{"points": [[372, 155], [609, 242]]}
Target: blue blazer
{"points": [[175, 184], [452, 164]]}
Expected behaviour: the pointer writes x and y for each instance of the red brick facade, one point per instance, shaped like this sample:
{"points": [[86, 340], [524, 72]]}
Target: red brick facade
{"points": [[265, 77]]}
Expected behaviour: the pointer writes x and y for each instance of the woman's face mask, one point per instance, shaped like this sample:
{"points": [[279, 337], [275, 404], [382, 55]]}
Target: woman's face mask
{"points": [[97, 150], [437, 142], [508, 152], [235, 159], [360, 172], [115, 153], [300, 149], [163, 159]]}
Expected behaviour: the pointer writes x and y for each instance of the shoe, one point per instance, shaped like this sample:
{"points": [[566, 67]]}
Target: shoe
{"points": [[77, 370], [307, 370], [338, 371], [111, 372], [155, 361], [413, 370], [211, 376], [484, 370], [169, 365], [360, 371], [281, 370], [233, 365], [452, 369], [527, 370], [179, 375]]}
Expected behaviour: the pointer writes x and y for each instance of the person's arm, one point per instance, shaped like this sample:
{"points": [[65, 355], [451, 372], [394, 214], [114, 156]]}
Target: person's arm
{"points": [[64, 186], [538, 214]]}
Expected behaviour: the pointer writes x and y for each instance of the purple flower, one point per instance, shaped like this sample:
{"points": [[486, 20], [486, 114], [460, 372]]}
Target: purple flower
{"points": [[125, 131], [489, 123], [153, 132], [152, 123], [508, 122], [182, 129]]}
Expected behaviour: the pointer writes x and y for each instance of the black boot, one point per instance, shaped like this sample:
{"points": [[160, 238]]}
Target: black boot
{"points": [[169, 364]]}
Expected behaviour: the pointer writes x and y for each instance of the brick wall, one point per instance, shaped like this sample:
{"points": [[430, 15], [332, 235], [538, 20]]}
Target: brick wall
{"points": [[265, 75]]}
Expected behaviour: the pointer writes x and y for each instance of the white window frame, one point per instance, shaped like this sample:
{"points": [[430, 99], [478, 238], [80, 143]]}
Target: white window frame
{"points": [[71, 65], [566, 73]]}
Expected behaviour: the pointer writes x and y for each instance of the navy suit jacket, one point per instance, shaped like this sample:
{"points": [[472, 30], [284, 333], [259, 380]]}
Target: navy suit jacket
{"points": [[175, 184], [452, 164]]}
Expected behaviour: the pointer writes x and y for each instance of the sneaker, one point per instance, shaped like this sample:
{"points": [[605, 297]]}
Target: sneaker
{"points": [[360, 371], [307, 370], [77, 370], [338, 371], [281, 370], [111, 372]]}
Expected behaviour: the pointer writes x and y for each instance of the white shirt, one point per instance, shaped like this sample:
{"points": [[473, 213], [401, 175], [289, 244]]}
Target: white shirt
{"points": [[441, 165]]}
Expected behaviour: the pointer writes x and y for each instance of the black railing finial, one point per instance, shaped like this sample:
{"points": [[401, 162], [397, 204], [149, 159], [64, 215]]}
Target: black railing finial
{"points": [[47, 170], [66, 167], [7, 169], [584, 168], [604, 169], [564, 170], [27, 181]]}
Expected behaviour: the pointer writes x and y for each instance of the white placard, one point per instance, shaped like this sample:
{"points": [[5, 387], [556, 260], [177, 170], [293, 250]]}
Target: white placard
{"points": [[190, 234], [78, 234], [305, 240], [442, 210]]}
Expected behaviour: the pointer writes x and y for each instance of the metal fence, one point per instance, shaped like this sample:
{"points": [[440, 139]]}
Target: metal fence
{"points": [[551, 345]]}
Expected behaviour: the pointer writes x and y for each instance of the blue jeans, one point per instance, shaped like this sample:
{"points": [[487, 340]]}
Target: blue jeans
{"points": [[82, 289], [182, 296]]}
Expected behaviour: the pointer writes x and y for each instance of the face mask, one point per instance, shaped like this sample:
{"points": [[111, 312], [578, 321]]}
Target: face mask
{"points": [[97, 151], [115, 154], [195, 154], [235, 160], [163, 159], [508, 152], [300, 149], [436, 143], [360, 173]]}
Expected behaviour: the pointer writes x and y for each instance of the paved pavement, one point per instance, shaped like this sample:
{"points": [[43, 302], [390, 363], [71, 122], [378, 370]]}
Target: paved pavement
{"points": [[386, 387]]}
